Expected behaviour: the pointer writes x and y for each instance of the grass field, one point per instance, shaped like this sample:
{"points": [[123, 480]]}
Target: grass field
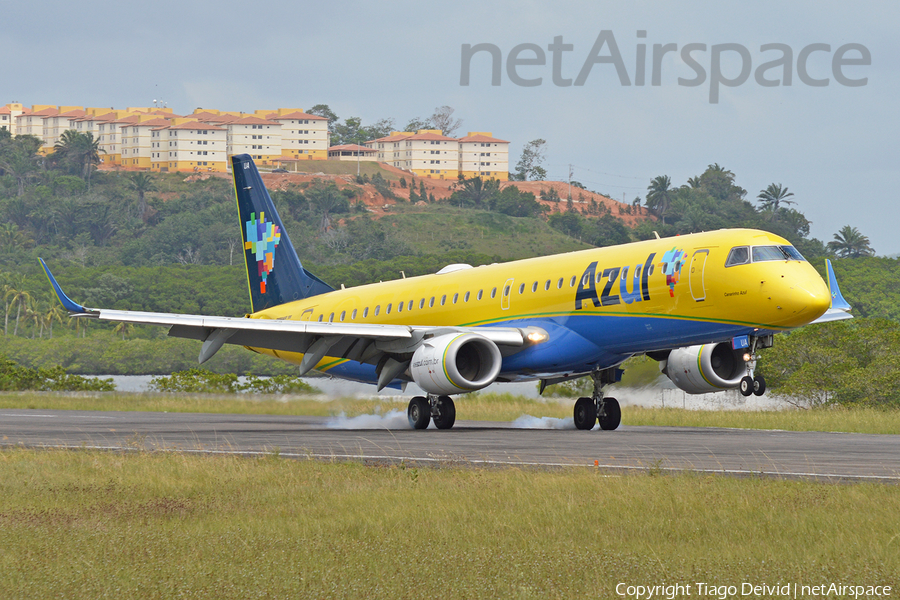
{"points": [[478, 407], [105, 525]]}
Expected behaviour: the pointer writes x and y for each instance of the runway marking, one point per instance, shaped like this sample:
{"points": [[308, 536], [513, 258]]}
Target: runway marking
{"points": [[26, 416], [484, 462]]}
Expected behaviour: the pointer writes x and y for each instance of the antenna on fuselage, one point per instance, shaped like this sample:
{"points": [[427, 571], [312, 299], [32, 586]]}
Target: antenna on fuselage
{"points": [[656, 234]]}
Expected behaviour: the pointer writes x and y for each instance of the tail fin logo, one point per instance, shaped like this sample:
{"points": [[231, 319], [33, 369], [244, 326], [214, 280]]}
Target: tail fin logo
{"points": [[262, 239]]}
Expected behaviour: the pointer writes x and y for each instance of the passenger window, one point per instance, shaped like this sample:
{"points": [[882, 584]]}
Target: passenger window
{"points": [[480, 293], [387, 309], [322, 316], [559, 283], [585, 280], [534, 287], [599, 275], [399, 307], [505, 291], [522, 289], [331, 318], [443, 299], [455, 298], [353, 315], [493, 293], [547, 285], [431, 302], [343, 314], [410, 305], [466, 297], [377, 310], [366, 312], [572, 282], [738, 256], [422, 303]]}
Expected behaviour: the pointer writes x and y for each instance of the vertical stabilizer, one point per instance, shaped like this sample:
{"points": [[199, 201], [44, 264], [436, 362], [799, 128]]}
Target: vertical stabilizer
{"points": [[274, 272]]}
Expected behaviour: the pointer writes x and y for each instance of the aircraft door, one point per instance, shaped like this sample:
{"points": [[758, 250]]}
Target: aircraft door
{"points": [[506, 292], [697, 275]]}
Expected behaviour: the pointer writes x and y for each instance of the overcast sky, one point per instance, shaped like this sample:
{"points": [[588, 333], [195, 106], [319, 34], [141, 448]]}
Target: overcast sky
{"points": [[834, 146]]}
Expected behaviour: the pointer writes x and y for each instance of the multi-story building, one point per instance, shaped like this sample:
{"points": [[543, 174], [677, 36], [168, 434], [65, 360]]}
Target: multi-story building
{"points": [[303, 135], [188, 145], [260, 138], [482, 155], [390, 148], [8, 116], [427, 153], [32, 122], [137, 140], [55, 125]]}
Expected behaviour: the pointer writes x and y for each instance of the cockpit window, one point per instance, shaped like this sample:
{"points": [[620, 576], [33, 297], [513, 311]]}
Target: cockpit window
{"points": [[742, 255], [738, 256]]}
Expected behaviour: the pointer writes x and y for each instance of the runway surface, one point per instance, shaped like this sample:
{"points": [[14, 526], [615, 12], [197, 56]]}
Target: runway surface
{"points": [[822, 456]]}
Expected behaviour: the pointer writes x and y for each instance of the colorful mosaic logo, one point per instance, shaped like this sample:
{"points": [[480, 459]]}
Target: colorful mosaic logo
{"points": [[673, 260], [262, 239]]}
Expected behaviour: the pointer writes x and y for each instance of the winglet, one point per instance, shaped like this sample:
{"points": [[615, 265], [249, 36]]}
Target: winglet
{"points": [[837, 299], [65, 300]]}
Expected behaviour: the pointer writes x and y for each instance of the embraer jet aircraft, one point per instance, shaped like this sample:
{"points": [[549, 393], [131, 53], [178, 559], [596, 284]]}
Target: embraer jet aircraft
{"points": [[701, 304]]}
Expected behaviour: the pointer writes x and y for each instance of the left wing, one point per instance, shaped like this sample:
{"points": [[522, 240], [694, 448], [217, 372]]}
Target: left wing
{"points": [[364, 343]]}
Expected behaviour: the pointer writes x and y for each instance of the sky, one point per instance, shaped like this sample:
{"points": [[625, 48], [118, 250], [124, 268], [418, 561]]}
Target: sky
{"points": [[834, 145]]}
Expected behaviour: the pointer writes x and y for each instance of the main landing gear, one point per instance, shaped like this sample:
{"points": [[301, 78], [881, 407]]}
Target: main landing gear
{"points": [[589, 411], [752, 383], [422, 410]]}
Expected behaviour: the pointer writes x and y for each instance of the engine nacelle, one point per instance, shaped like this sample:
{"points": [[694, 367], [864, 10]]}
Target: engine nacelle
{"points": [[455, 363], [706, 368]]}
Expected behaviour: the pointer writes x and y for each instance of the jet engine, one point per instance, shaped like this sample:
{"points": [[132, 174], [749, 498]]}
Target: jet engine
{"points": [[706, 368], [454, 363]]}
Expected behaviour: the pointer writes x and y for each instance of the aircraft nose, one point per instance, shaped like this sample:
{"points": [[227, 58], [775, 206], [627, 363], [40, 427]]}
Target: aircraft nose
{"points": [[810, 297]]}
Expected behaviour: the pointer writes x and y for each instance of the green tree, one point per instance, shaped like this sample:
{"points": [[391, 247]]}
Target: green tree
{"points": [[142, 183], [18, 296], [475, 192], [659, 196], [442, 119], [850, 243], [323, 110], [19, 159], [773, 197], [81, 149], [529, 167]]}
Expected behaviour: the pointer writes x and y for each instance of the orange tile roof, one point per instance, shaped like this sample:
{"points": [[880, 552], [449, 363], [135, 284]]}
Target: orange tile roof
{"points": [[211, 117], [153, 123], [352, 148], [47, 112], [4, 110], [482, 138], [393, 138], [71, 113], [432, 136], [295, 115]]}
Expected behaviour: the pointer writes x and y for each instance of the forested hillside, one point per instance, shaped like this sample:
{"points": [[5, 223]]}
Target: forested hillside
{"points": [[171, 242]]}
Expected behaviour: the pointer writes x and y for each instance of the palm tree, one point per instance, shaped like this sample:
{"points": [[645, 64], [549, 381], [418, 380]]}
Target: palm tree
{"points": [[773, 196], [17, 295], [124, 328], [476, 191], [55, 312], [142, 183], [659, 196], [850, 243], [82, 149]]}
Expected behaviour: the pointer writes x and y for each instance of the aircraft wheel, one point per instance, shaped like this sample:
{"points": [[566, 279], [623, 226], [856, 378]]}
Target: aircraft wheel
{"points": [[611, 415], [759, 385], [418, 412], [746, 386], [585, 413], [446, 416]]}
